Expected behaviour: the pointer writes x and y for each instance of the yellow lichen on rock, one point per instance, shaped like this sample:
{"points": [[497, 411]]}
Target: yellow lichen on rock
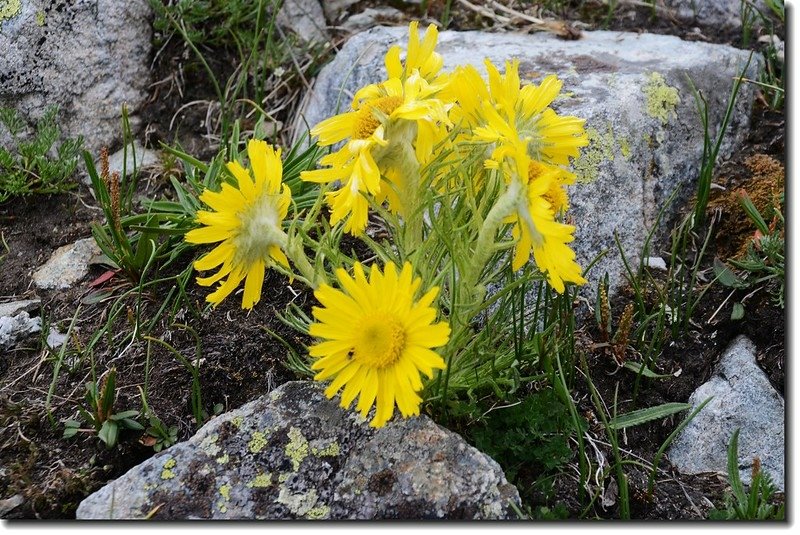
{"points": [[297, 448], [260, 481], [9, 9], [662, 99], [166, 471], [257, 442]]}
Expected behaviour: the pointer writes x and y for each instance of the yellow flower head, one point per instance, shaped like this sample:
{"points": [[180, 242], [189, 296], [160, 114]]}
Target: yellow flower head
{"points": [[383, 116], [420, 56], [376, 340], [247, 221], [520, 115], [535, 227]]}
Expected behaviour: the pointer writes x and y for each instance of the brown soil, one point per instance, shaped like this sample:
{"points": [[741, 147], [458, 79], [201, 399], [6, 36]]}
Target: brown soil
{"points": [[241, 362]]}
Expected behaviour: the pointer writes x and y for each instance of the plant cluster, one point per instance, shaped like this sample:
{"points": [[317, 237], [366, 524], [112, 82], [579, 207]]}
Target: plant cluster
{"points": [[469, 179], [38, 164]]}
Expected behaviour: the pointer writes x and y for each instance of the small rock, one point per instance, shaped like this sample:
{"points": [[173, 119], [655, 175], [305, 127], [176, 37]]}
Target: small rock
{"points": [[336, 8], [743, 399], [55, 339], [9, 504], [14, 307], [371, 17], [305, 18], [295, 454], [13, 329], [67, 265], [655, 262], [726, 14]]}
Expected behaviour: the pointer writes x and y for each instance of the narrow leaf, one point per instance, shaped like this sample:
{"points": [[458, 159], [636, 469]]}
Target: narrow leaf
{"points": [[641, 416]]}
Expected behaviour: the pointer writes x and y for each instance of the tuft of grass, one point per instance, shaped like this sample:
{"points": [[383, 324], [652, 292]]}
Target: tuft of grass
{"points": [[39, 164], [753, 504]]}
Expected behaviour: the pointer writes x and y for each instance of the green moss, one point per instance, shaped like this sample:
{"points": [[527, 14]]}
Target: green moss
{"points": [[257, 442], [661, 98], [166, 471], [297, 448], [9, 8], [600, 149], [331, 450], [261, 481]]}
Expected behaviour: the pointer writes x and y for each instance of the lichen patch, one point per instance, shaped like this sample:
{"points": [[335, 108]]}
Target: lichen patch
{"points": [[661, 98], [297, 448]]}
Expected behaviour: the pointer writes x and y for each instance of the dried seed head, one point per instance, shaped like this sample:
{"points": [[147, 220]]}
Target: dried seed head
{"points": [[114, 194], [104, 165], [605, 313], [623, 333]]}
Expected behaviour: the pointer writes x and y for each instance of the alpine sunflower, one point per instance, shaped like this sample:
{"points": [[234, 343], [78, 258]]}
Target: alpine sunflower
{"points": [[246, 219], [377, 340], [389, 123]]}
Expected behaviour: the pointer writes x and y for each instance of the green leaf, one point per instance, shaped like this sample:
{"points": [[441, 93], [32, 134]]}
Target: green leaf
{"points": [[738, 312], [726, 276], [733, 468], [109, 433], [636, 367], [641, 416], [123, 415], [127, 423]]}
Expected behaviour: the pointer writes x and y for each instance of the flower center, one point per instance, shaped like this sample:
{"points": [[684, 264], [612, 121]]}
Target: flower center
{"points": [[367, 122], [260, 229], [381, 342], [555, 194]]}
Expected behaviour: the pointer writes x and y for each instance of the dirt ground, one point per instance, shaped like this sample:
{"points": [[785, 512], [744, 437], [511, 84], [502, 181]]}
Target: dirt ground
{"points": [[241, 362]]}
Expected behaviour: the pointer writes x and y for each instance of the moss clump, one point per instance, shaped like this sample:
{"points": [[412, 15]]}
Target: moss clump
{"points": [[297, 448], [166, 471], [9, 8], [661, 98]]}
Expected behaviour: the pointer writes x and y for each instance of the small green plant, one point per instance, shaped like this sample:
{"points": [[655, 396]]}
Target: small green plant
{"points": [[532, 434], [764, 263], [37, 165], [99, 412], [157, 435], [753, 504]]}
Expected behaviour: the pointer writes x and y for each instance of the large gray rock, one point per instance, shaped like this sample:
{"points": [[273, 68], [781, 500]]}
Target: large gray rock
{"points": [[645, 133], [89, 57], [743, 399], [67, 265], [295, 454], [305, 18]]}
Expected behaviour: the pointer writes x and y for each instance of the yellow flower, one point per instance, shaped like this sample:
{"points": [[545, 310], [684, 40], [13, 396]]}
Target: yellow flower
{"points": [[386, 119], [521, 115], [247, 220], [420, 57], [376, 340], [536, 230]]}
